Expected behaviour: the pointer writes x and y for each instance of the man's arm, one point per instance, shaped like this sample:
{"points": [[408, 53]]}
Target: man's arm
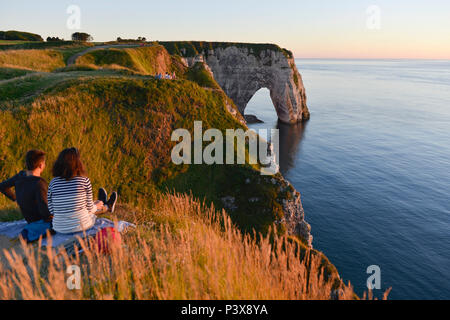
{"points": [[6, 188], [41, 200]]}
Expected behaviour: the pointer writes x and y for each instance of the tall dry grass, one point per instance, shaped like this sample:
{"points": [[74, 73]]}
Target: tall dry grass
{"points": [[186, 251], [37, 60]]}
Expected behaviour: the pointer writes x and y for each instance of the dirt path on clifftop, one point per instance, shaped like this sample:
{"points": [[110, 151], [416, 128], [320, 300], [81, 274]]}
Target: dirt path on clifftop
{"points": [[73, 59]]}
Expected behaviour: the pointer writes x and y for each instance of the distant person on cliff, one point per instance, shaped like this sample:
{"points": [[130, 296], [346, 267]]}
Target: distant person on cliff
{"points": [[31, 195], [70, 198]]}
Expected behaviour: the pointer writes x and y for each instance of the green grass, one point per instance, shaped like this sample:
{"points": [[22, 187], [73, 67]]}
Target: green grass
{"points": [[75, 68], [143, 60], [107, 57], [213, 183], [21, 88], [203, 77], [10, 73], [34, 84], [10, 214], [12, 42]]}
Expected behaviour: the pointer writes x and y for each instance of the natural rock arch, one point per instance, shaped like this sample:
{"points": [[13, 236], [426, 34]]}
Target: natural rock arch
{"points": [[260, 99], [241, 75], [242, 69]]}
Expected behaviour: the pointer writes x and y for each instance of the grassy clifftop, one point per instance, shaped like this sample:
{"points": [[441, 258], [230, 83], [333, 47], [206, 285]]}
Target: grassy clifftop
{"points": [[122, 121], [143, 60], [193, 48], [45, 60], [37, 60]]}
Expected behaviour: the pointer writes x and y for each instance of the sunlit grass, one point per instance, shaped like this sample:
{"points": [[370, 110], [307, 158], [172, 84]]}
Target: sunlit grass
{"points": [[184, 250], [143, 60], [37, 60]]}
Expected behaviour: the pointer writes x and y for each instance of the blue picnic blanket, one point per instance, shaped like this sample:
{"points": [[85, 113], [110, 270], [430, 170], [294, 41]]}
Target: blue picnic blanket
{"points": [[12, 230], [33, 231]]}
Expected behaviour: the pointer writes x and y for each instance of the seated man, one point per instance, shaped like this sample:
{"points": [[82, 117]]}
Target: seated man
{"points": [[31, 195]]}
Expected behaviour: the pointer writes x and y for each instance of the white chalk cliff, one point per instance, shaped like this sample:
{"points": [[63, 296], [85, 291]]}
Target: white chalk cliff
{"points": [[241, 70]]}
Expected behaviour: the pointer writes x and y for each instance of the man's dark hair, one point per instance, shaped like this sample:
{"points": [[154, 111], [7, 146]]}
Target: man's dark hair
{"points": [[69, 165], [34, 158]]}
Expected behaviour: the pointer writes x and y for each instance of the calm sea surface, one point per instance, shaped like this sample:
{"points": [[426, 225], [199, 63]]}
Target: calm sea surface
{"points": [[373, 167]]}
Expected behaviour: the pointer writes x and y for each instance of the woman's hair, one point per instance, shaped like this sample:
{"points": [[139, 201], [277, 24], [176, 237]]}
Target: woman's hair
{"points": [[69, 165]]}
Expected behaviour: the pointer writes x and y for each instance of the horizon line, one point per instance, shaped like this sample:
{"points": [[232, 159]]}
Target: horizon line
{"points": [[371, 58]]}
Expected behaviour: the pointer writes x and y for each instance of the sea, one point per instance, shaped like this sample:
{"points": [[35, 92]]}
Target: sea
{"points": [[373, 168]]}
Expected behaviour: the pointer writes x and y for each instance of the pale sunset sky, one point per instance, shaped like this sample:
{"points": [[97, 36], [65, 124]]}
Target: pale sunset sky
{"points": [[310, 28]]}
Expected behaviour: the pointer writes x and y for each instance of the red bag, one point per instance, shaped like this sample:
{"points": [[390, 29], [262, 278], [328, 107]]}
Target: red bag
{"points": [[106, 239]]}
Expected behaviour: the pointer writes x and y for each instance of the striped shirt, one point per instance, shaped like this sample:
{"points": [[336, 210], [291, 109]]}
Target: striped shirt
{"points": [[71, 204]]}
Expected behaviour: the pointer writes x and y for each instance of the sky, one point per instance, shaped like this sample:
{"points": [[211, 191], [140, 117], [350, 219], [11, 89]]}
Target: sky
{"points": [[414, 29]]}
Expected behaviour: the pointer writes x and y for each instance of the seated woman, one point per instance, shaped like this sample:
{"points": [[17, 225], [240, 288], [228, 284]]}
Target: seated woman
{"points": [[70, 195]]}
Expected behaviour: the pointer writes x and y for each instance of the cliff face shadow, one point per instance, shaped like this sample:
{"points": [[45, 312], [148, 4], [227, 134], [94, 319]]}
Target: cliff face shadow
{"points": [[291, 136]]}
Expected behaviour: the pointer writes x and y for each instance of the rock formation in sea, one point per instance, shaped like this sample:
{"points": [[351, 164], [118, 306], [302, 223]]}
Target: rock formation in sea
{"points": [[251, 119], [242, 69]]}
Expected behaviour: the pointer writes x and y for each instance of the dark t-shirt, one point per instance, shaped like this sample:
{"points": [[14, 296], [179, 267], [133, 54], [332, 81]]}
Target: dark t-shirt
{"points": [[30, 194]]}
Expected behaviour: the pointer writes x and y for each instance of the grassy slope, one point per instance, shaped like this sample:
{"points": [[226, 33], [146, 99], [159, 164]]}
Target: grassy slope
{"points": [[123, 126], [180, 250], [38, 60], [53, 57], [10, 73], [199, 74], [143, 60], [122, 123]]}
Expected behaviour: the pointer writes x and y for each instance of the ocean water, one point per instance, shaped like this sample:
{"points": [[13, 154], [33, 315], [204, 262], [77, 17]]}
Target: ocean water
{"points": [[373, 168]]}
